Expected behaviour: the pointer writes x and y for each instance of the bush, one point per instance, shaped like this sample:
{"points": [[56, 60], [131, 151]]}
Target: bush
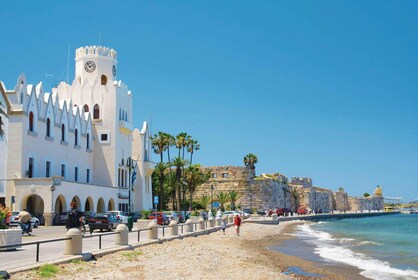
{"points": [[145, 214], [47, 271]]}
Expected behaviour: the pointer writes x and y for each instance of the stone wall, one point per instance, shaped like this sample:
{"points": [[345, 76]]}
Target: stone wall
{"points": [[341, 201]]}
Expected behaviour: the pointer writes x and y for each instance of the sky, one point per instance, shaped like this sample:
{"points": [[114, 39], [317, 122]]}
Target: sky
{"points": [[319, 89]]}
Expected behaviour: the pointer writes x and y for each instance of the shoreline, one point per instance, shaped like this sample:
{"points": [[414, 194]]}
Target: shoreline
{"points": [[212, 256]]}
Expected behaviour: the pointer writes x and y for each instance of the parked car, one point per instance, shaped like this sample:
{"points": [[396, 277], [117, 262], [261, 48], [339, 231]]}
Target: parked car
{"points": [[231, 213], [161, 218], [62, 218], [283, 211], [181, 216], [262, 212], [120, 215], [172, 215], [302, 210], [103, 221], [14, 220], [87, 216], [244, 214], [248, 210]]}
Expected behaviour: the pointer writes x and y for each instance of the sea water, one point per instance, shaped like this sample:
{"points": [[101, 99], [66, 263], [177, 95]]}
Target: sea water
{"points": [[383, 247]]}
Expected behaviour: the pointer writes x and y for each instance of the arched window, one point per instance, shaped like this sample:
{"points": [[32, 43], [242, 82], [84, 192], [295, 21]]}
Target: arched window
{"points": [[88, 141], [96, 112], [63, 133], [31, 128], [120, 114], [48, 127], [86, 108], [76, 137], [126, 116], [104, 80]]}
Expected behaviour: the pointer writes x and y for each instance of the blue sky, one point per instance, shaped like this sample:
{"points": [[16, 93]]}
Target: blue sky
{"points": [[320, 89]]}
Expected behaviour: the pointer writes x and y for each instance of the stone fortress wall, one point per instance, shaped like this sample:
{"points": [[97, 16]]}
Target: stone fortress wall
{"points": [[270, 191]]}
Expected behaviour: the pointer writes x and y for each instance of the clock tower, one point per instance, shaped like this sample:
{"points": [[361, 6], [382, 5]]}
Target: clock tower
{"points": [[95, 63]]}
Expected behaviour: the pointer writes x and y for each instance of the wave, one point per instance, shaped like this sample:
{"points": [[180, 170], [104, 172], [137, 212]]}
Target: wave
{"points": [[330, 248]]}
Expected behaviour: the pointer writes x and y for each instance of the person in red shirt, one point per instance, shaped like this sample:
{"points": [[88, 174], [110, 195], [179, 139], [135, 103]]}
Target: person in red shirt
{"points": [[237, 223]]}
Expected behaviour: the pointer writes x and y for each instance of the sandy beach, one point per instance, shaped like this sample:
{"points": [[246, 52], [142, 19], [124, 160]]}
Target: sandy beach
{"points": [[212, 256]]}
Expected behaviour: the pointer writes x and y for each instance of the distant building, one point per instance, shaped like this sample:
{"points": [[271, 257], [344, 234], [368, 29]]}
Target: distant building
{"points": [[77, 143]]}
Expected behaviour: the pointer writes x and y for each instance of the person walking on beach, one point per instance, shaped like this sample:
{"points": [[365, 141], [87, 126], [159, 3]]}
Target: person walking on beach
{"points": [[223, 224], [237, 223]]}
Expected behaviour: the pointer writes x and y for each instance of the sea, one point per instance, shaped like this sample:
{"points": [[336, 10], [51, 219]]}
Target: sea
{"points": [[381, 247]]}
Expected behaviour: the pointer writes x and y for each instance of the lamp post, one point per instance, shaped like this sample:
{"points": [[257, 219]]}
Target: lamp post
{"points": [[129, 165], [211, 195]]}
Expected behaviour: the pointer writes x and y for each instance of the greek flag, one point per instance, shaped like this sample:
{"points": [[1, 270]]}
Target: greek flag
{"points": [[134, 176]]}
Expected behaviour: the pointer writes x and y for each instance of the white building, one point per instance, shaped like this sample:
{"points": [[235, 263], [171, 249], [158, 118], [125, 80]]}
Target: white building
{"points": [[75, 144]]}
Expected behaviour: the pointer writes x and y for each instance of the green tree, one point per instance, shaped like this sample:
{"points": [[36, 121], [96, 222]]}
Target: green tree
{"points": [[181, 143], [250, 160], [222, 198], [192, 145], [194, 177], [233, 197], [366, 194], [160, 170], [159, 144], [179, 164], [204, 201]]}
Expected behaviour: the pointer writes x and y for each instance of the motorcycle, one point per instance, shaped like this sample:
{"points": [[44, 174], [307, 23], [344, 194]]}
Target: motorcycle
{"points": [[26, 227]]}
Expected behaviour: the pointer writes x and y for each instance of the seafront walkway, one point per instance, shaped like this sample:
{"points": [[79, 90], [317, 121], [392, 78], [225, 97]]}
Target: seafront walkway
{"points": [[316, 217], [24, 258]]}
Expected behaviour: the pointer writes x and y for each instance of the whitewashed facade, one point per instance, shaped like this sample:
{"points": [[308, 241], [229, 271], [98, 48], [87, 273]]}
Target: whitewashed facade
{"points": [[76, 143]]}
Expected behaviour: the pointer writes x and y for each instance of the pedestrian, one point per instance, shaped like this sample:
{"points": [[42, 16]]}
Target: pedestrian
{"points": [[223, 224], [74, 217], [7, 214], [237, 223]]}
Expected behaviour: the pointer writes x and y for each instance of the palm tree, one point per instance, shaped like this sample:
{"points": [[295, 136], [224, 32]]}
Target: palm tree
{"points": [[169, 141], [159, 144], [193, 145], [233, 197], [204, 201], [222, 198], [171, 187], [194, 177], [250, 160], [181, 142], [160, 169], [178, 163]]}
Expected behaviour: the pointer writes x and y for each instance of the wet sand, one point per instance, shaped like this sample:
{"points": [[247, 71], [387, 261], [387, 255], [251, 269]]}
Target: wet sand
{"points": [[212, 256]]}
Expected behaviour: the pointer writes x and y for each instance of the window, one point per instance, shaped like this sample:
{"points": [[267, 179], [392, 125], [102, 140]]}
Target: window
{"points": [[96, 112], [48, 127], [62, 132], [225, 175], [48, 169], [88, 176], [30, 169], [86, 108], [63, 170], [104, 80], [88, 141], [31, 128], [76, 137], [76, 173], [214, 175]]}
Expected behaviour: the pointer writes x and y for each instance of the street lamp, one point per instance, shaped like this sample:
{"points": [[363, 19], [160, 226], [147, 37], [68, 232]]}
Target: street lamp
{"points": [[129, 164], [211, 195]]}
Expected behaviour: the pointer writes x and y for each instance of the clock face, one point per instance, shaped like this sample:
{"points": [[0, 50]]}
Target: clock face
{"points": [[90, 66], [114, 70]]}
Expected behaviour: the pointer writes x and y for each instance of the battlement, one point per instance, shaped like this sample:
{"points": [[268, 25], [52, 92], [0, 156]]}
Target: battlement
{"points": [[304, 181], [96, 51]]}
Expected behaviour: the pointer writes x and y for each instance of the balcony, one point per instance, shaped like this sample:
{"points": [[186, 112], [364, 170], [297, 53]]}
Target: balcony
{"points": [[125, 127]]}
